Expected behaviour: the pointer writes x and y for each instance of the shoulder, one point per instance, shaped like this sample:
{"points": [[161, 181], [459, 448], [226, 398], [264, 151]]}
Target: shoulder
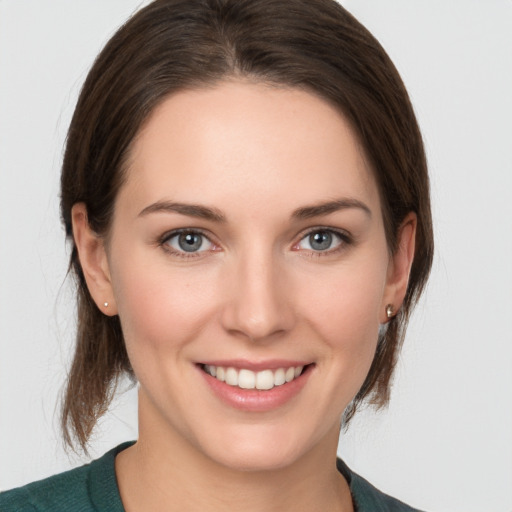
{"points": [[368, 498], [80, 489], [66, 490]]}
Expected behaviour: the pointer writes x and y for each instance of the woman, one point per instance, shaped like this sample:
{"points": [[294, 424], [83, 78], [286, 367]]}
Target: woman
{"points": [[245, 190]]}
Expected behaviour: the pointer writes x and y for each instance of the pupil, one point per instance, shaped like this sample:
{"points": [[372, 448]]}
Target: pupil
{"points": [[321, 240], [190, 242]]}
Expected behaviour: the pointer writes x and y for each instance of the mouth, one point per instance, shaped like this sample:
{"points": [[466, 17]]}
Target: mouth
{"points": [[262, 380], [256, 387]]}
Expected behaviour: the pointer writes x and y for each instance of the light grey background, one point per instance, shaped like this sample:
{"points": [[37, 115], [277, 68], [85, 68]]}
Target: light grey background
{"points": [[445, 444]]}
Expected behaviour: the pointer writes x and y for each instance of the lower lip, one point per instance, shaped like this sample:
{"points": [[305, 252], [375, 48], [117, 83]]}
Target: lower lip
{"points": [[254, 400]]}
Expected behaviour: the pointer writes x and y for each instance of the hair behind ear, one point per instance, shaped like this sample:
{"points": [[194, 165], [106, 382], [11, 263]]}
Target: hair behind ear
{"points": [[99, 360]]}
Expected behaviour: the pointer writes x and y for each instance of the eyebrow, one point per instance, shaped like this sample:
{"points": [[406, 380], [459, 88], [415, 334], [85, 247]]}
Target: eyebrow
{"points": [[215, 215], [191, 210], [317, 210]]}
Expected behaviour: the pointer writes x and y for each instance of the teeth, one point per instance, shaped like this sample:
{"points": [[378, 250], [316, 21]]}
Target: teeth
{"points": [[247, 379], [231, 377], [265, 379], [279, 377]]}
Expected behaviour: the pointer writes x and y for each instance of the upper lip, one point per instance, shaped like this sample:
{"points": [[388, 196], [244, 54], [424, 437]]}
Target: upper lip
{"points": [[256, 366]]}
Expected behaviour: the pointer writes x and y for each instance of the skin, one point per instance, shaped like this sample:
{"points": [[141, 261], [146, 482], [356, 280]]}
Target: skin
{"points": [[257, 290]]}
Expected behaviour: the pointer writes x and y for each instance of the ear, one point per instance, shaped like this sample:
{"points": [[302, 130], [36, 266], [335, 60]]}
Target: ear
{"points": [[399, 267], [93, 259]]}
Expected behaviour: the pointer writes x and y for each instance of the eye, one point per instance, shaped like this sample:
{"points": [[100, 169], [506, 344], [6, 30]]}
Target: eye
{"points": [[322, 240], [188, 242]]}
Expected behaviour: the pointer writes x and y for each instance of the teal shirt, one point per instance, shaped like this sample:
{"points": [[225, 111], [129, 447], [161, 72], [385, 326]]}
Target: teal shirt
{"points": [[93, 488]]}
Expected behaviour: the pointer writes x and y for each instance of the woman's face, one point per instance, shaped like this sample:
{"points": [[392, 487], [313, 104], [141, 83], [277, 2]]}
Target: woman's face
{"points": [[248, 245]]}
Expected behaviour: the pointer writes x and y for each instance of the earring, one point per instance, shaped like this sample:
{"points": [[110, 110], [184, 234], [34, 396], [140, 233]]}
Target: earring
{"points": [[106, 304], [390, 311]]}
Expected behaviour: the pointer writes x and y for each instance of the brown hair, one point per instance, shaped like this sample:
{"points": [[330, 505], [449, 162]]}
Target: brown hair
{"points": [[172, 45]]}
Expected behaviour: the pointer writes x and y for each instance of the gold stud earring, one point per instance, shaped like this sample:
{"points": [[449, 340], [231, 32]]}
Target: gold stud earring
{"points": [[390, 311]]}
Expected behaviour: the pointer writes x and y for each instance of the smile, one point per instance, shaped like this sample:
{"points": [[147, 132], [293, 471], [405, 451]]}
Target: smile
{"points": [[248, 379]]}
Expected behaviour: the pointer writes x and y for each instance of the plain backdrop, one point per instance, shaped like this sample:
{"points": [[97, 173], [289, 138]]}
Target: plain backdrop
{"points": [[445, 443]]}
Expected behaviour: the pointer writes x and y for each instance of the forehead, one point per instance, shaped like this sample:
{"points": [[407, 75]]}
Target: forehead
{"points": [[256, 142]]}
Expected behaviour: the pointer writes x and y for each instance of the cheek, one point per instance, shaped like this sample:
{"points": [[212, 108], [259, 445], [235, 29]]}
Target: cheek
{"points": [[346, 310], [159, 308]]}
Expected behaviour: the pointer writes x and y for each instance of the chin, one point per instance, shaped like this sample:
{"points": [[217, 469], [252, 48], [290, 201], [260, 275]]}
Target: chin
{"points": [[256, 460], [258, 449]]}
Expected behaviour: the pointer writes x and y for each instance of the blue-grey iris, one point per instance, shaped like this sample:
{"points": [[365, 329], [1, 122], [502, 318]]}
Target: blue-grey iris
{"points": [[320, 240], [190, 242]]}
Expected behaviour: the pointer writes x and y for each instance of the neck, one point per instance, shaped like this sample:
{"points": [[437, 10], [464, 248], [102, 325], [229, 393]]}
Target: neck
{"points": [[162, 471]]}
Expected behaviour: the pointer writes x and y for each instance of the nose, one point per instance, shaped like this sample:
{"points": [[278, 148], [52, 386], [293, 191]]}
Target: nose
{"points": [[260, 306]]}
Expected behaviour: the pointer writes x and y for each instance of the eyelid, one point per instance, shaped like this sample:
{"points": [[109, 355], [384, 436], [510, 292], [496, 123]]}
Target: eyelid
{"points": [[164, 239], [344, 236]]}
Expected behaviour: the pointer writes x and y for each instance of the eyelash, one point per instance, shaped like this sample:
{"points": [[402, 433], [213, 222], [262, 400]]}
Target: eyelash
{"points": [[345, 239], [164, 242]]}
